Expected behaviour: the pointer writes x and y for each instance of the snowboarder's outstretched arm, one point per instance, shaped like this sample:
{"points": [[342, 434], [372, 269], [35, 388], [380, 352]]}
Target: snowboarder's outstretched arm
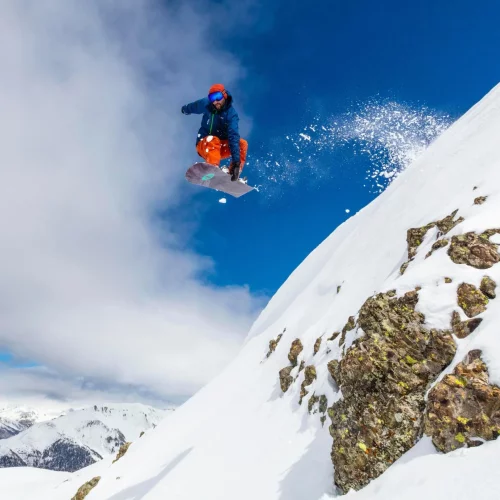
{"points": [[233, 135], [196, 108]]}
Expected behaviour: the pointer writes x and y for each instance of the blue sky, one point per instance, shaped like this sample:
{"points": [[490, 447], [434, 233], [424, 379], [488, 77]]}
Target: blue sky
{"points": [[98, 298], [318, 59]]}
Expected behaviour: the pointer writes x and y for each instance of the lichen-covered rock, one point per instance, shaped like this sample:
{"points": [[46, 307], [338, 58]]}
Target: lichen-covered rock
{"points": [[295, 349], [317, 345], [437, 245], [322, 402], [404, 267], [302, 365], [333, 369], [488, 287], [448, 223], [273, 343], [463, 329], [285, 378], [480, 200], [350, 325], [463, 406], [312, 401], [448, 280], [383, 377], [416, 235], [475, 250], [123, 449], [414, 238], [85, 489], [333, 336], [309, 377], [339, 288], [471, 299]]}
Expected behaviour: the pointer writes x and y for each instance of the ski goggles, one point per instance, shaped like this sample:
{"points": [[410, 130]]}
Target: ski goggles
{"points": [[215, 96]]}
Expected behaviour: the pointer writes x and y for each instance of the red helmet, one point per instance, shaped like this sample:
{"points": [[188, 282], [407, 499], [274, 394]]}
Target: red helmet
{"points": [[218, 87]]}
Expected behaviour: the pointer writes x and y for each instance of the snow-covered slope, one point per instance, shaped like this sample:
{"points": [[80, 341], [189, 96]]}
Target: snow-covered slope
{"points": [[243, 437], [78, 437]]}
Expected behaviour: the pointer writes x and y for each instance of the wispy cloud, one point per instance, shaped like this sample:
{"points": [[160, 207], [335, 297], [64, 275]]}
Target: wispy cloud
{"points": [[93, 146]]}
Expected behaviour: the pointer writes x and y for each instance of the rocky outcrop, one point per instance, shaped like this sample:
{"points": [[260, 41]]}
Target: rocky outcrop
{"points": [[123, 449], [84, 490], [295, 349], [285, 378], [309, 378], [488, 287], [383, 377], [463, 329], [471, 300], [273, 343], [475, 250], [317, 345], [463, 409], [350, 325], [415, 236], [436, 246], [318, 404], [480, 200]]}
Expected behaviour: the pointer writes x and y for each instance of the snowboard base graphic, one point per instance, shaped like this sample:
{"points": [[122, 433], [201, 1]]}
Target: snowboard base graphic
{"points": [[210, 176]]}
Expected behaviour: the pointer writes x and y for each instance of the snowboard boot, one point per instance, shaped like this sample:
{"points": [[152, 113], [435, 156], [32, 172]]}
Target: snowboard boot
{"points": [[234, 172]]}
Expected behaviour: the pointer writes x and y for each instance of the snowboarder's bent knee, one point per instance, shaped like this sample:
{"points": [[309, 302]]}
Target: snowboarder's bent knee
{"points": [[219, 136]]}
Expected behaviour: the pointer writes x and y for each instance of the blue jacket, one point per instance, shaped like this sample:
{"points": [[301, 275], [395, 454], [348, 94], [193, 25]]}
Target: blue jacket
{"points": [[222, 124]]}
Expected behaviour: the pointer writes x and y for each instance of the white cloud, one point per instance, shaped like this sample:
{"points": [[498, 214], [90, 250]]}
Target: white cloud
{"points": [[93, 145]]}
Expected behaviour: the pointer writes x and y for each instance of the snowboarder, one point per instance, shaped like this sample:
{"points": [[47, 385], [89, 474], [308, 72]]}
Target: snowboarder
{"points": [[219, 137]]}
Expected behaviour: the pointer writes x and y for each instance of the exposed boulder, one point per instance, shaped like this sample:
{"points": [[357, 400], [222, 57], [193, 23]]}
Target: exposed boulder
{"points": [[437, 245], [414, 238], [471, 299], [123, 449], [448, 223], [463, 329], [488, 287], [317, 345], [318, 403], [285, 378], [84, 490], [309, 378], [475, 250], [273, 343], [448, 280], [333, 369], [480, 200], [333, 336], [295, 349], [463, 408], [383, 377], [350, 325]]}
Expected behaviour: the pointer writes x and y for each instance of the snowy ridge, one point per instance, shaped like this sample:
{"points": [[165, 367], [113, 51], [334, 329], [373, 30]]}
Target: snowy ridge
{"points": [[17, 418], [98, 431], [243, 437]]}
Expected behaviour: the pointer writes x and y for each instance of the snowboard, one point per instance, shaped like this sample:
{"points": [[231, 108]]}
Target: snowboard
{"points": [[210, 176]]}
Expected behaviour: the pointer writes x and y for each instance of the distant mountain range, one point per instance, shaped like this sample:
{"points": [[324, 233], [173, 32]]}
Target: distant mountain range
{"points": [[74, 439]]}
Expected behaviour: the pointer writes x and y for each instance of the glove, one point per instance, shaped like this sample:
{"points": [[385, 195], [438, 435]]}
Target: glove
{"points": [[184, 110]]}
